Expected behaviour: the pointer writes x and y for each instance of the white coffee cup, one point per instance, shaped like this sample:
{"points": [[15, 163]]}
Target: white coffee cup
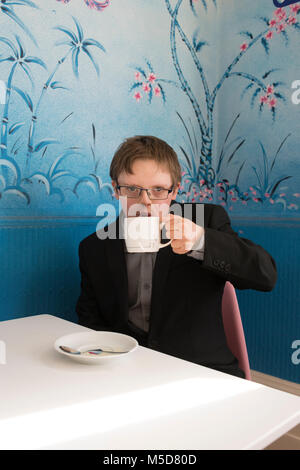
{"points": [[142, 234]]}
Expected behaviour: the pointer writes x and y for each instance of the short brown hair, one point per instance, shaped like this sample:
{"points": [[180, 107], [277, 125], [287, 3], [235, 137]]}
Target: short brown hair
{"points": [[145, 147]]}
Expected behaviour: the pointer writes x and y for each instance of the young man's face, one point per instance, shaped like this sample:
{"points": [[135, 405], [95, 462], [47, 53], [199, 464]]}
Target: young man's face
{"points": [[146, 174]]}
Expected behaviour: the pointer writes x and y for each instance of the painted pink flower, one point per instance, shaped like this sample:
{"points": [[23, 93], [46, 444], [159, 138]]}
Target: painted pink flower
{"points": [[272, 102], [243, 46], [223, 203], [255, 199], [267, 194], [279, 12], [97, 4], [280, 28], [295, 8], [146, 87], [296, 194], [202, 182], [234, 199], [157, 91], [293, 206], [137, 96], [270, 89], [282, 194], [263, 99], [272, 23], [183, 173], [137, 76], [244, 202], [269, 35], [291, 20], [152, 77], [254, 192]]}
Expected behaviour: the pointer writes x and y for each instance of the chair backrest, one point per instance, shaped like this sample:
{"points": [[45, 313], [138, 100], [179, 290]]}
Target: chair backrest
{"points": [[234, 328]]}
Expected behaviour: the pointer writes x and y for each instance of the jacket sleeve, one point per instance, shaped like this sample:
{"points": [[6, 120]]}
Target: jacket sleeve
{"points": [[87, 308], [236, 259]]}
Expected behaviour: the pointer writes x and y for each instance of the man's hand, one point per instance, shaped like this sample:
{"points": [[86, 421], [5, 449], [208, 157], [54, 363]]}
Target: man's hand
{"points": [[184, 233]]}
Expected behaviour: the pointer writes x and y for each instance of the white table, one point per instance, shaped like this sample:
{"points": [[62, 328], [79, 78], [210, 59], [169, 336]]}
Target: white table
{"points": [[146, 400]]}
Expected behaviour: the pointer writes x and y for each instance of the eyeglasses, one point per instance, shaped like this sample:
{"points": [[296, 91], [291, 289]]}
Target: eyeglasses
{"points": [[135, 192]]}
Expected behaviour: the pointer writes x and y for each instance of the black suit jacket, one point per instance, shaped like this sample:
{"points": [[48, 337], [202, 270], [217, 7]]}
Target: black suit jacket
{"points": [[186, 317]]}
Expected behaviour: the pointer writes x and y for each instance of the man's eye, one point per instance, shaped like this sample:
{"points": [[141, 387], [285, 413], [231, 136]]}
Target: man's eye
{"points": [[132, 188]]}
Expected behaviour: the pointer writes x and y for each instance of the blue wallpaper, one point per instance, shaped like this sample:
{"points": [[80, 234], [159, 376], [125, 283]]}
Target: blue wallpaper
{"points": [[217, 80]]}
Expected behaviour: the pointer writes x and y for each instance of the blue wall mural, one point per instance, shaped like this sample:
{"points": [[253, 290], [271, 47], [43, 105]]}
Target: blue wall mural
{"points": [[219, 81]]}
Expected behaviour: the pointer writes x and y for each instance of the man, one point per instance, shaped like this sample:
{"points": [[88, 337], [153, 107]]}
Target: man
{"points": [[169, 301]]}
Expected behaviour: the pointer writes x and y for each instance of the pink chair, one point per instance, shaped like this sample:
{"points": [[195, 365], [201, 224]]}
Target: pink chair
{"points": [[234, 328]]}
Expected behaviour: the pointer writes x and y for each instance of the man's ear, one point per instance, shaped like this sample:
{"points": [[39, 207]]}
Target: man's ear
{"points": [[114, 184]]}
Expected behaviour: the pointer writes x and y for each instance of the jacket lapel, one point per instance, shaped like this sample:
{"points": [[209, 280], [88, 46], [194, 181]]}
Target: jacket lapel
{"points": [[117, 266], [160, 274]]}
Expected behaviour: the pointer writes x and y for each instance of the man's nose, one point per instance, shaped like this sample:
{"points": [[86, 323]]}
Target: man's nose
{"points": [[144, 198]]}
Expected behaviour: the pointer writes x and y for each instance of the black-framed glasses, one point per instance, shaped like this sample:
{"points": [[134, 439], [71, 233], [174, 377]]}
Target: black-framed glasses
{"points": [[135, 192]]}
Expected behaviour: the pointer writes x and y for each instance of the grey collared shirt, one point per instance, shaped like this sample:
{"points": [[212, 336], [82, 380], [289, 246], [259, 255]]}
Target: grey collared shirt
{"points": [[139, 272]]}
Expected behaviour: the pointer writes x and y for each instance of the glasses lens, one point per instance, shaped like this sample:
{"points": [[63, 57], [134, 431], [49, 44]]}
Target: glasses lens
{"points": [[158, 193], [129, 191], [134, 192]]}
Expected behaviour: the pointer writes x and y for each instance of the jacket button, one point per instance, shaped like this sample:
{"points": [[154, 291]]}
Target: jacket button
{"points": [[222, 264], [216, 262]]}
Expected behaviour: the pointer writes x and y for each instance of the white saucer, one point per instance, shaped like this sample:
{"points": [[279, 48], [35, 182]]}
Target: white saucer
{"points": [[96, 339]]}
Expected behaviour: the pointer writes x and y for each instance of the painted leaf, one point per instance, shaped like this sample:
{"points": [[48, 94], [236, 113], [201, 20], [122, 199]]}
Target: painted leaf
{"points": [[24, 95], [15, 127], [42, 144]]}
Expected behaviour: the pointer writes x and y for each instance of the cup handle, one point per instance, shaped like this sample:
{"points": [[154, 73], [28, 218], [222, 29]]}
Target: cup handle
{"points": [[162, 245]]}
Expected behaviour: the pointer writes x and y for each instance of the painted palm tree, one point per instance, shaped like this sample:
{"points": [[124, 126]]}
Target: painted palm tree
{"points": [[77, 44], [20, 61], [16, 189], [266, 93], [6, 7]]}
